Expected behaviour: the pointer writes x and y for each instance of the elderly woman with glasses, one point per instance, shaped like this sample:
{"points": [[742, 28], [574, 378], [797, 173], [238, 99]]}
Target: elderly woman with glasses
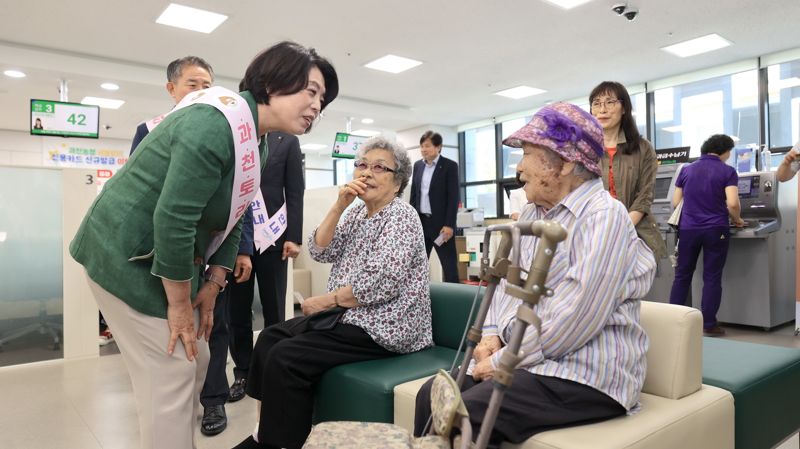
{"points": [[377, 305], [629, 160]]}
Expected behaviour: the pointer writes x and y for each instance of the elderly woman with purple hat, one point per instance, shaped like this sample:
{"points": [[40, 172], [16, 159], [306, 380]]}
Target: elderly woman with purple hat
{"points": [[588, 363]]}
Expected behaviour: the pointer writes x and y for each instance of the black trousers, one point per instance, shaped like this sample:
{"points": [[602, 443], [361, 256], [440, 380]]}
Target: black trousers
{"points": [[446, 252], [288, 360], [215, 389], [531, 405], [271, 273]]}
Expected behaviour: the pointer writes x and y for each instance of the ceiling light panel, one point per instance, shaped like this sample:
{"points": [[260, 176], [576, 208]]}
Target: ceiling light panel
{"points": [[14, 74], [106, 103], [365, 132], [188, 18], [567, 4], [392, 64], [520, 92], [698, 46]]}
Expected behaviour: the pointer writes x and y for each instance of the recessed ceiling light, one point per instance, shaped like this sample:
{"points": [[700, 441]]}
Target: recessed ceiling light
{"points": [[367, 121], [109, 86], [193, 19], [365, 132], [312, 146], [697, 46], [107, 103], [14, 74], [568, 4], [392, 64], [520, 92], [673, 129]]}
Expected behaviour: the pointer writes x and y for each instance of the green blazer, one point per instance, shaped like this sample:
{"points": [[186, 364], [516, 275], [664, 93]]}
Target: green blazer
{"points": [[155, 217]]}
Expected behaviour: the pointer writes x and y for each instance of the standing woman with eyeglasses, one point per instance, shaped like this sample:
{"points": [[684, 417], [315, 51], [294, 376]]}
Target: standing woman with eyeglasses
{"points": [[629, 162], [377, 305]]}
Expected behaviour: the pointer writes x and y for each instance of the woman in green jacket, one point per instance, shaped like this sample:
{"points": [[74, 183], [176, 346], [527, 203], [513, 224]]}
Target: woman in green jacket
{"points": [[158, 240], [629, 162]]}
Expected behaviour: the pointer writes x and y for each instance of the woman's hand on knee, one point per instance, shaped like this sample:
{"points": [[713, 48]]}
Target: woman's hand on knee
{"points": [[180, 318], [205, 301]]}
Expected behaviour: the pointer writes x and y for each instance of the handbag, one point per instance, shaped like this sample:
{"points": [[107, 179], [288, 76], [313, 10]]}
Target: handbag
{"points": [[325, 320], [674, 221], [675, 218]]}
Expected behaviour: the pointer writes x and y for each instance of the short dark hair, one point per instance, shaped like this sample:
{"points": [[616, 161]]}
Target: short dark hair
{"points": [[283, 70], [175, 68], [717, 144], [435, 138], [628, 123]]}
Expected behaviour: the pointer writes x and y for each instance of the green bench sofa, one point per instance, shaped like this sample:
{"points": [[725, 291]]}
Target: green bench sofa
{"points": [[764, 380], [364, 391], [765, 383]]}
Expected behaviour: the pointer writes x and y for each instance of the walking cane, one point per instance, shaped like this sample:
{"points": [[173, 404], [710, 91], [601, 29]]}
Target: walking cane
{"points": [[506, 264]]}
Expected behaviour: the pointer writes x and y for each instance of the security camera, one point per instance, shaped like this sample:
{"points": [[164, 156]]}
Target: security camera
{"points": [[619, 8], [631, 14]]}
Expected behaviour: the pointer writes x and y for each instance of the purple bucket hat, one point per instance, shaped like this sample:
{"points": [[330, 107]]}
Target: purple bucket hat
{"points": [[567, 130]]}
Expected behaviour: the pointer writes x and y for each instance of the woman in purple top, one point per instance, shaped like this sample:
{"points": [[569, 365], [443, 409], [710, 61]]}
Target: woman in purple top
{"points": [[708, 189]]}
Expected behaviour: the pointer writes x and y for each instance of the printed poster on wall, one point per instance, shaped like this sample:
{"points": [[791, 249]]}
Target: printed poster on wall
{"points": [[80, 156]]}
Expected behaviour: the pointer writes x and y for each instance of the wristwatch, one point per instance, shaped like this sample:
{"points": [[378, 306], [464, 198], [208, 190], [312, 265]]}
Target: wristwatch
{"points": [[221, 281]]}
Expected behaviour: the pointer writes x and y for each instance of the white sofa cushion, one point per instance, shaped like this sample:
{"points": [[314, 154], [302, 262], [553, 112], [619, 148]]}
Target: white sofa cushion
{"points": [[675, 355], [703, 420]]}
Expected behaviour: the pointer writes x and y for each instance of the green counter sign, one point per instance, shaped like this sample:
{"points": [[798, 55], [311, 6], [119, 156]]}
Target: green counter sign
{"points": [[56, 118], [346, 145]]}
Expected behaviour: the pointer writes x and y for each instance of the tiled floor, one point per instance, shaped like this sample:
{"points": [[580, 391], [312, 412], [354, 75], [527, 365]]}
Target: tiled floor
{"points": [[88, 404]]}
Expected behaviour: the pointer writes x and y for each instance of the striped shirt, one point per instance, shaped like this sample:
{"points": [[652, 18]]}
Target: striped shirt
{"points": [[590, 327]]}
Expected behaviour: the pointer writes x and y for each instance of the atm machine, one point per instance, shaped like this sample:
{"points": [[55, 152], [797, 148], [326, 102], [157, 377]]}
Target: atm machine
{"points": [[661, 211], [759, 276]]}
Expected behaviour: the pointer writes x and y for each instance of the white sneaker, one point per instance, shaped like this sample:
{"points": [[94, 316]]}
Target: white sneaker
{"points": [[105, 338]]}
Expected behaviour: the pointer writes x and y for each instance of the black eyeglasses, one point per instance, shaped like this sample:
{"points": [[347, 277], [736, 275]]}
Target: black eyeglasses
{"points": [[376, 168]]}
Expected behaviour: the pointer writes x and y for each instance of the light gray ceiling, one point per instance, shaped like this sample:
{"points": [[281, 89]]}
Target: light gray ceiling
{"points": [[470, 49]]}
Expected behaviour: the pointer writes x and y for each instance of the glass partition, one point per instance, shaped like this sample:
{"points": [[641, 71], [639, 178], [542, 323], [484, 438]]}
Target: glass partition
{"points": [[687, 114], [479, 154], [31, 273], [783, 84], [485, 196]]}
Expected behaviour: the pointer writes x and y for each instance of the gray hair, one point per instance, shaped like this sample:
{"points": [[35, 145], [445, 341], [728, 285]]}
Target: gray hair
{"points": [[579, 170], [175, 68], [583, 173], [402, 171]]}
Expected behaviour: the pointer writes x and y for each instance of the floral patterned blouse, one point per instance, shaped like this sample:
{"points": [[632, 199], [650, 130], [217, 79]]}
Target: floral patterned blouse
{"points": [[383, 258]]}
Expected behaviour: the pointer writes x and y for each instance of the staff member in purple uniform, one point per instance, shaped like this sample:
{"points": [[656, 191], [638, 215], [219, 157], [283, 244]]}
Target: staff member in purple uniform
{"points": [[708, 188]]}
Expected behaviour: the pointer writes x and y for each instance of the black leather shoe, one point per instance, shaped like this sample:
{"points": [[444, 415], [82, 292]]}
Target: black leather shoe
{"points": [[214, 420], [237, 390], [250, 443]]}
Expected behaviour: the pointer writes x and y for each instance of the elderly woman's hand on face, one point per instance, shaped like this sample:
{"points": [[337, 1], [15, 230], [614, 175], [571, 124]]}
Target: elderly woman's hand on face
{"points": [[319, 303], [349, 192]]}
